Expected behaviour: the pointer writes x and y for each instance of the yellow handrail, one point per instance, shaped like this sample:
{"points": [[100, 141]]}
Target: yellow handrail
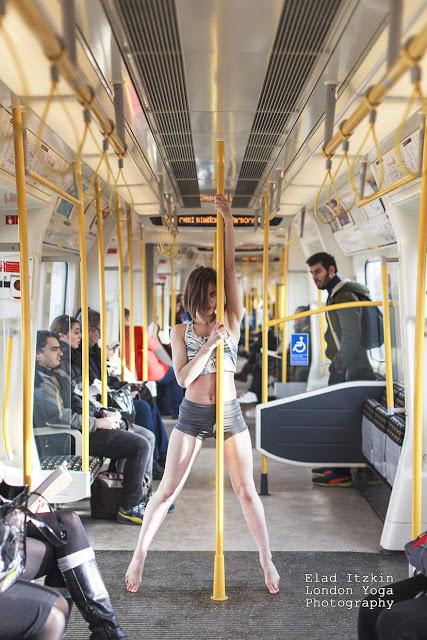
{"points": [[131, 294], [417, 447], [322, 330], [407, 58], [122, 322], [102, 302], [27, 382], [144, 310], [55, 51], [333, 307], [285, 308], [264, 392], [219, 568], [84, 316], [47, 183], [387, 337], [6, 394], [172, 290]]}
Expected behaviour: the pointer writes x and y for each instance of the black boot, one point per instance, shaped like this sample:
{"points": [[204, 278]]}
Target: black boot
{"points": [[88, 591]]}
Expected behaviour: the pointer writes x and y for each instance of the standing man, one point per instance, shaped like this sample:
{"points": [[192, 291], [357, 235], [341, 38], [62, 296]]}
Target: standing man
{"points": [[344, 347]]}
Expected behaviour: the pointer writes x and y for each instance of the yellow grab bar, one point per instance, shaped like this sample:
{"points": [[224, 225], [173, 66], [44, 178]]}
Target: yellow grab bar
{"points": [[417, 446], [102, 302], [265, 325], [27, 381], [387, 337], [121, 289], [84, 317], [333, 307], [131, 295], [219, 568], [6, 394]]}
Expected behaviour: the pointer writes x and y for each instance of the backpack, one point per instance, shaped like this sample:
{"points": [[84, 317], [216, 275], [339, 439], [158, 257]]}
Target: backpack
{"points": [[372, 326]]}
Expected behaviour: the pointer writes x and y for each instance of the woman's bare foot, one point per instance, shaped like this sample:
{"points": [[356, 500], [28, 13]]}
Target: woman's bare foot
{"points": [[133, 575], [271, 576]]}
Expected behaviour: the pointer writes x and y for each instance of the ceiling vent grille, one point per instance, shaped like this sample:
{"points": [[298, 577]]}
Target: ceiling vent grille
{"points": [[151, 28], [300, 39]]}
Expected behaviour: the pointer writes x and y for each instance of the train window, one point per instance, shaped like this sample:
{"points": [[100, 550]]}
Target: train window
{"points": [[58, 290], [373, 282]]}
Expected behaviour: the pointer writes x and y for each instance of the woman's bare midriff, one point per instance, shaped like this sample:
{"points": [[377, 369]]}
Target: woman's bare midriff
{"points": [[203, 389]]}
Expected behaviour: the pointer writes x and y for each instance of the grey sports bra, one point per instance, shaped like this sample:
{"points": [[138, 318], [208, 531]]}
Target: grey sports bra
{"points": [[194, 342]]}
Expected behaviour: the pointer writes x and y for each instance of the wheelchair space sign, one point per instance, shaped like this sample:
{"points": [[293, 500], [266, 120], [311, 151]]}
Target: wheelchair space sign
{"points": [[299, 349]]}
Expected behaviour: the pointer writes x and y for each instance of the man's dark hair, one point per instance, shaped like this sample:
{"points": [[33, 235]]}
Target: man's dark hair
{"points": [[196, 290], [63, 324], [324, 258], [42, 338], [127, 314]]}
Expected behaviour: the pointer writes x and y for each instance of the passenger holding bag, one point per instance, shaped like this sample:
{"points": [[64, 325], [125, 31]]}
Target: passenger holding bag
{"points": [[56, 547]]}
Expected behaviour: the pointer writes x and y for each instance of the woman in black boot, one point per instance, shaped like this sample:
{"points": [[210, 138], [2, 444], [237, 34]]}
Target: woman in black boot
{"points": [[72, 575], [72, 567]]}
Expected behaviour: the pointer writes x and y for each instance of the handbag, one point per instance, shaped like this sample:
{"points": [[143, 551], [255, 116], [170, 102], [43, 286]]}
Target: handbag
{"points": [[416, 552], [13, 527], [122, 400], [106, 493]]}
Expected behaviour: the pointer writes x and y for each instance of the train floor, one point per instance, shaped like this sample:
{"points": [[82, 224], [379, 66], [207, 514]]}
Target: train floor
{"points": [[331, 534]]}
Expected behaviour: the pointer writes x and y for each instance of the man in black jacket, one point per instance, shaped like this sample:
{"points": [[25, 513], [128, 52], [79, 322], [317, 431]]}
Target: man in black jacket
{"points": [[344, 346], [54, 403]]}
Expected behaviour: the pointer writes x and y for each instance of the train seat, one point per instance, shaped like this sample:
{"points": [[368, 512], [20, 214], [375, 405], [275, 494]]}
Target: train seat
{"points": [[383, 434]]}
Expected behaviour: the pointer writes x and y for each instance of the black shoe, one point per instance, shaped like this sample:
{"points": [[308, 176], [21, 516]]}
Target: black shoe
{"points": [[158, 470], [88, 591]]}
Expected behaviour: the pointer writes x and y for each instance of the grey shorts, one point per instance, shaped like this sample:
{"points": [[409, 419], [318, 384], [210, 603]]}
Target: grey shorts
{"points": [[198, 420]]}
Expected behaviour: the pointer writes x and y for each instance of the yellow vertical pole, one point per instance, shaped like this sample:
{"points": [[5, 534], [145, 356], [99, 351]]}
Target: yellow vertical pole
{"points": [[264, 397], [417, 450], [214, 251], [27, 382], [322, 329], [144, 310], [285, 309], [121, 289], [387, 337], [131, 294], [84, 316], [162, 306], [172, 290], [6, 394], [153, 302], [256, 311], [219, 568], [247, 316], [102, 303]]}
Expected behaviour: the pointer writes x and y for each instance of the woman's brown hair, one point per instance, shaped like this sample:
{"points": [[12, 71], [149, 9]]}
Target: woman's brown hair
{"points": [[196, 290]]}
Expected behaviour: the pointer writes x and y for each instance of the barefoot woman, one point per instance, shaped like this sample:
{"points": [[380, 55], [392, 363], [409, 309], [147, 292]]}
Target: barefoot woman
{"points": [[194, 361]]}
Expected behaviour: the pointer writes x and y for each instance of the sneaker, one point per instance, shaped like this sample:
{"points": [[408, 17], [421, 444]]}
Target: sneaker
{"points": [[334, 479], [248, 398], [134, 515], [318, 472]]}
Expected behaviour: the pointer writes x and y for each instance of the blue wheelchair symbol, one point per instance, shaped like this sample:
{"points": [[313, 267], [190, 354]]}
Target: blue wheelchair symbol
{"points": [[299, 349]]}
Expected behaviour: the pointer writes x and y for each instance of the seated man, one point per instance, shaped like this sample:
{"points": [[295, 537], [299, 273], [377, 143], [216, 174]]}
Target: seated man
{"points": [[53, 403]]}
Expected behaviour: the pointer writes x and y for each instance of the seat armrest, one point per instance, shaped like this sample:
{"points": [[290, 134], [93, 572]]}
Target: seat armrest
{"points": [[56, 428]]}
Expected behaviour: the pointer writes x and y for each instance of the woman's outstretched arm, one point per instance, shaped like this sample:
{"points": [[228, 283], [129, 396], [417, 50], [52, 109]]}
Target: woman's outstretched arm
{"points": [[233, 293]]}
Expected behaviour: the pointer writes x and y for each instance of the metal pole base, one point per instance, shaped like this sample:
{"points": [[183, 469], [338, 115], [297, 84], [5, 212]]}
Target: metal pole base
{"points": [[264, 485], [219, 580]]}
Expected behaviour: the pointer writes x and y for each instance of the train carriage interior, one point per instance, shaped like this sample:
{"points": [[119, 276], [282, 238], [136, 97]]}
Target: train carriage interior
{"points": [[120, 122]]}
